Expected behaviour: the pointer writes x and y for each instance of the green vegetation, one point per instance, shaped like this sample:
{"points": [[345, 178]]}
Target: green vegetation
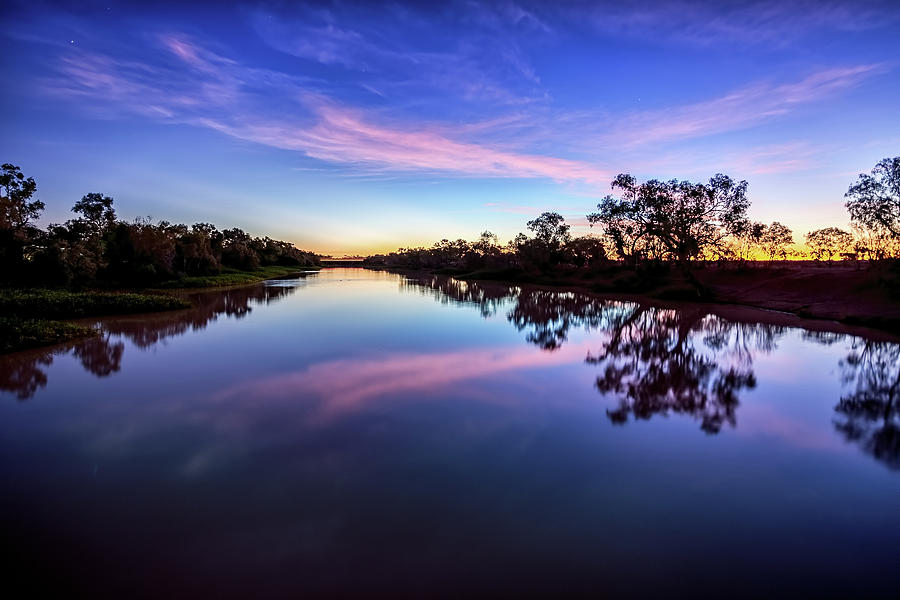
{"points": [[19, 334], [96, 249], [45, 270], [62, 304], [232, 277], [29, 315]]}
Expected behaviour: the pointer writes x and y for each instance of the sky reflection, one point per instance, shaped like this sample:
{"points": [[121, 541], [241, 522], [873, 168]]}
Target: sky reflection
{"points": [[457, 431]]}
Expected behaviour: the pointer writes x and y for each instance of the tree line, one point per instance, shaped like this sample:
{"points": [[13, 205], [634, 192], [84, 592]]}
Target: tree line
{"points": [[678, 222], [98, 248]]}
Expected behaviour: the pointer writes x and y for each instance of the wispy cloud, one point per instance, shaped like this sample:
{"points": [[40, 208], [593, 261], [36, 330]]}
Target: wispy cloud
{"points": [[186, 82], [486, 64], [222, 95], [771, 23], [344, 135], [736, 110]]}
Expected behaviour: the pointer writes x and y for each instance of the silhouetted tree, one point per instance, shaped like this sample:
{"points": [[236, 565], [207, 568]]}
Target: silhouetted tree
{"points": [[749, 240], [586, 251], [550, 228], [825, 244], [97, 211], [687, 220], [547, 247], [775, 239], [17, 212], [874, 200]]}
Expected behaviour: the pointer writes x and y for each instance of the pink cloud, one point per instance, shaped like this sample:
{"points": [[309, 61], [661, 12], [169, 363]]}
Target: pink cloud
{"points": [[235, 100], [758, 419], [737, 110], [344, 135], [346, 386], [225, 98]]}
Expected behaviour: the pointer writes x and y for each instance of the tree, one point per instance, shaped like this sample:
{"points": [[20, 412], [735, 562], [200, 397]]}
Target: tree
{"points": [[97, 211], [586, 251], [685, 220], [748, 240], [874, 200], [550, 228], [775, 239], [828, 242], [551, 234], [17, 212]]}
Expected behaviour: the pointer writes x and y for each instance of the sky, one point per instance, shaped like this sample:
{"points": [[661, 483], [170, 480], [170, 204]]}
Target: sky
{"points": [[355, 128]]}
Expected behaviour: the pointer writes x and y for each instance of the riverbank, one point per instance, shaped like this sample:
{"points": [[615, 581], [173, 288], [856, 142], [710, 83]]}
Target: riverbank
{"points": [[36, 317], [40, 317], [230, 277], [846, 293]]}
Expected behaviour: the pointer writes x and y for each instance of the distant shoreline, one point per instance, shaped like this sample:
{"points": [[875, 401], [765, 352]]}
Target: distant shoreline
{"points": [[840, 293]]}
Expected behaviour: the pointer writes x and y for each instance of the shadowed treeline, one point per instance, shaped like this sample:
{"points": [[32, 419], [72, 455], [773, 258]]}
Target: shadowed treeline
{"points": [[23, 374], [675, 222], [96, 248], [659, 361]]}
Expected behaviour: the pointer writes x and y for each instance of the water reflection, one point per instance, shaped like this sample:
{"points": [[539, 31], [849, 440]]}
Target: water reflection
{"points": [[546, 315], [868, 415], [657, 361], [652, 360], [24, 373], [350, 429]]}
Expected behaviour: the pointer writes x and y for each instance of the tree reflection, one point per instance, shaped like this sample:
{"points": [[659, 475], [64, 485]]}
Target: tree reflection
{"points": [[653, 360], [488, 297], [24, 373], [550, 315], [547, 315], [148, 330], [868, 415], [657, 361]]}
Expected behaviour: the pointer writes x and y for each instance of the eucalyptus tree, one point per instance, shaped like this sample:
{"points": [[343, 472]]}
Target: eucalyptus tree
{"points": [[829, 242], [775, 240], [684, 220], [17, 213], [874, 200]]}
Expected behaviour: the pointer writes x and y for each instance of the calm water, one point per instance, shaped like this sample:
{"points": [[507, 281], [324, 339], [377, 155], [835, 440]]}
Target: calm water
{"points": [[370, 432]]}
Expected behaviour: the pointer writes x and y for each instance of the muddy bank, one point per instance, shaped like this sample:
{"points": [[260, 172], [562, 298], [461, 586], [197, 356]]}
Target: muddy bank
{"points": [[843, 293], [790, 292]]}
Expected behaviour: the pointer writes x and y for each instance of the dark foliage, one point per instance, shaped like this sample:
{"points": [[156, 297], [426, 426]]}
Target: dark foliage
{"points": [[98, 249]]}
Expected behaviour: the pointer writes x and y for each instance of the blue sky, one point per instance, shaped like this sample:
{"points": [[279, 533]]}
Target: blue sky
{"points": [[350, 128]]}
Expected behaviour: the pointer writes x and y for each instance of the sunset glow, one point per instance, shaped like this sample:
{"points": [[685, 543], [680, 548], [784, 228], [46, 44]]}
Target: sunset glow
{"points": [[348, 128]]}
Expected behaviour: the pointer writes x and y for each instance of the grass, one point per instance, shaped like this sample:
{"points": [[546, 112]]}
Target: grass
{"points": [[19, 334], [28, 317], [233, 277], [62, 304]]}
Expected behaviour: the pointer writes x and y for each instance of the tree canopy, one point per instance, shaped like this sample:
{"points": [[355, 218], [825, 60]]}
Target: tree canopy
{"points": [[98, 248], [677, 220], [874, 200]]}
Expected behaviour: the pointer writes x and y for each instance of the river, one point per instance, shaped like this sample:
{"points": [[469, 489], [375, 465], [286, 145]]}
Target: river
{"points": [[354, 431]]}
